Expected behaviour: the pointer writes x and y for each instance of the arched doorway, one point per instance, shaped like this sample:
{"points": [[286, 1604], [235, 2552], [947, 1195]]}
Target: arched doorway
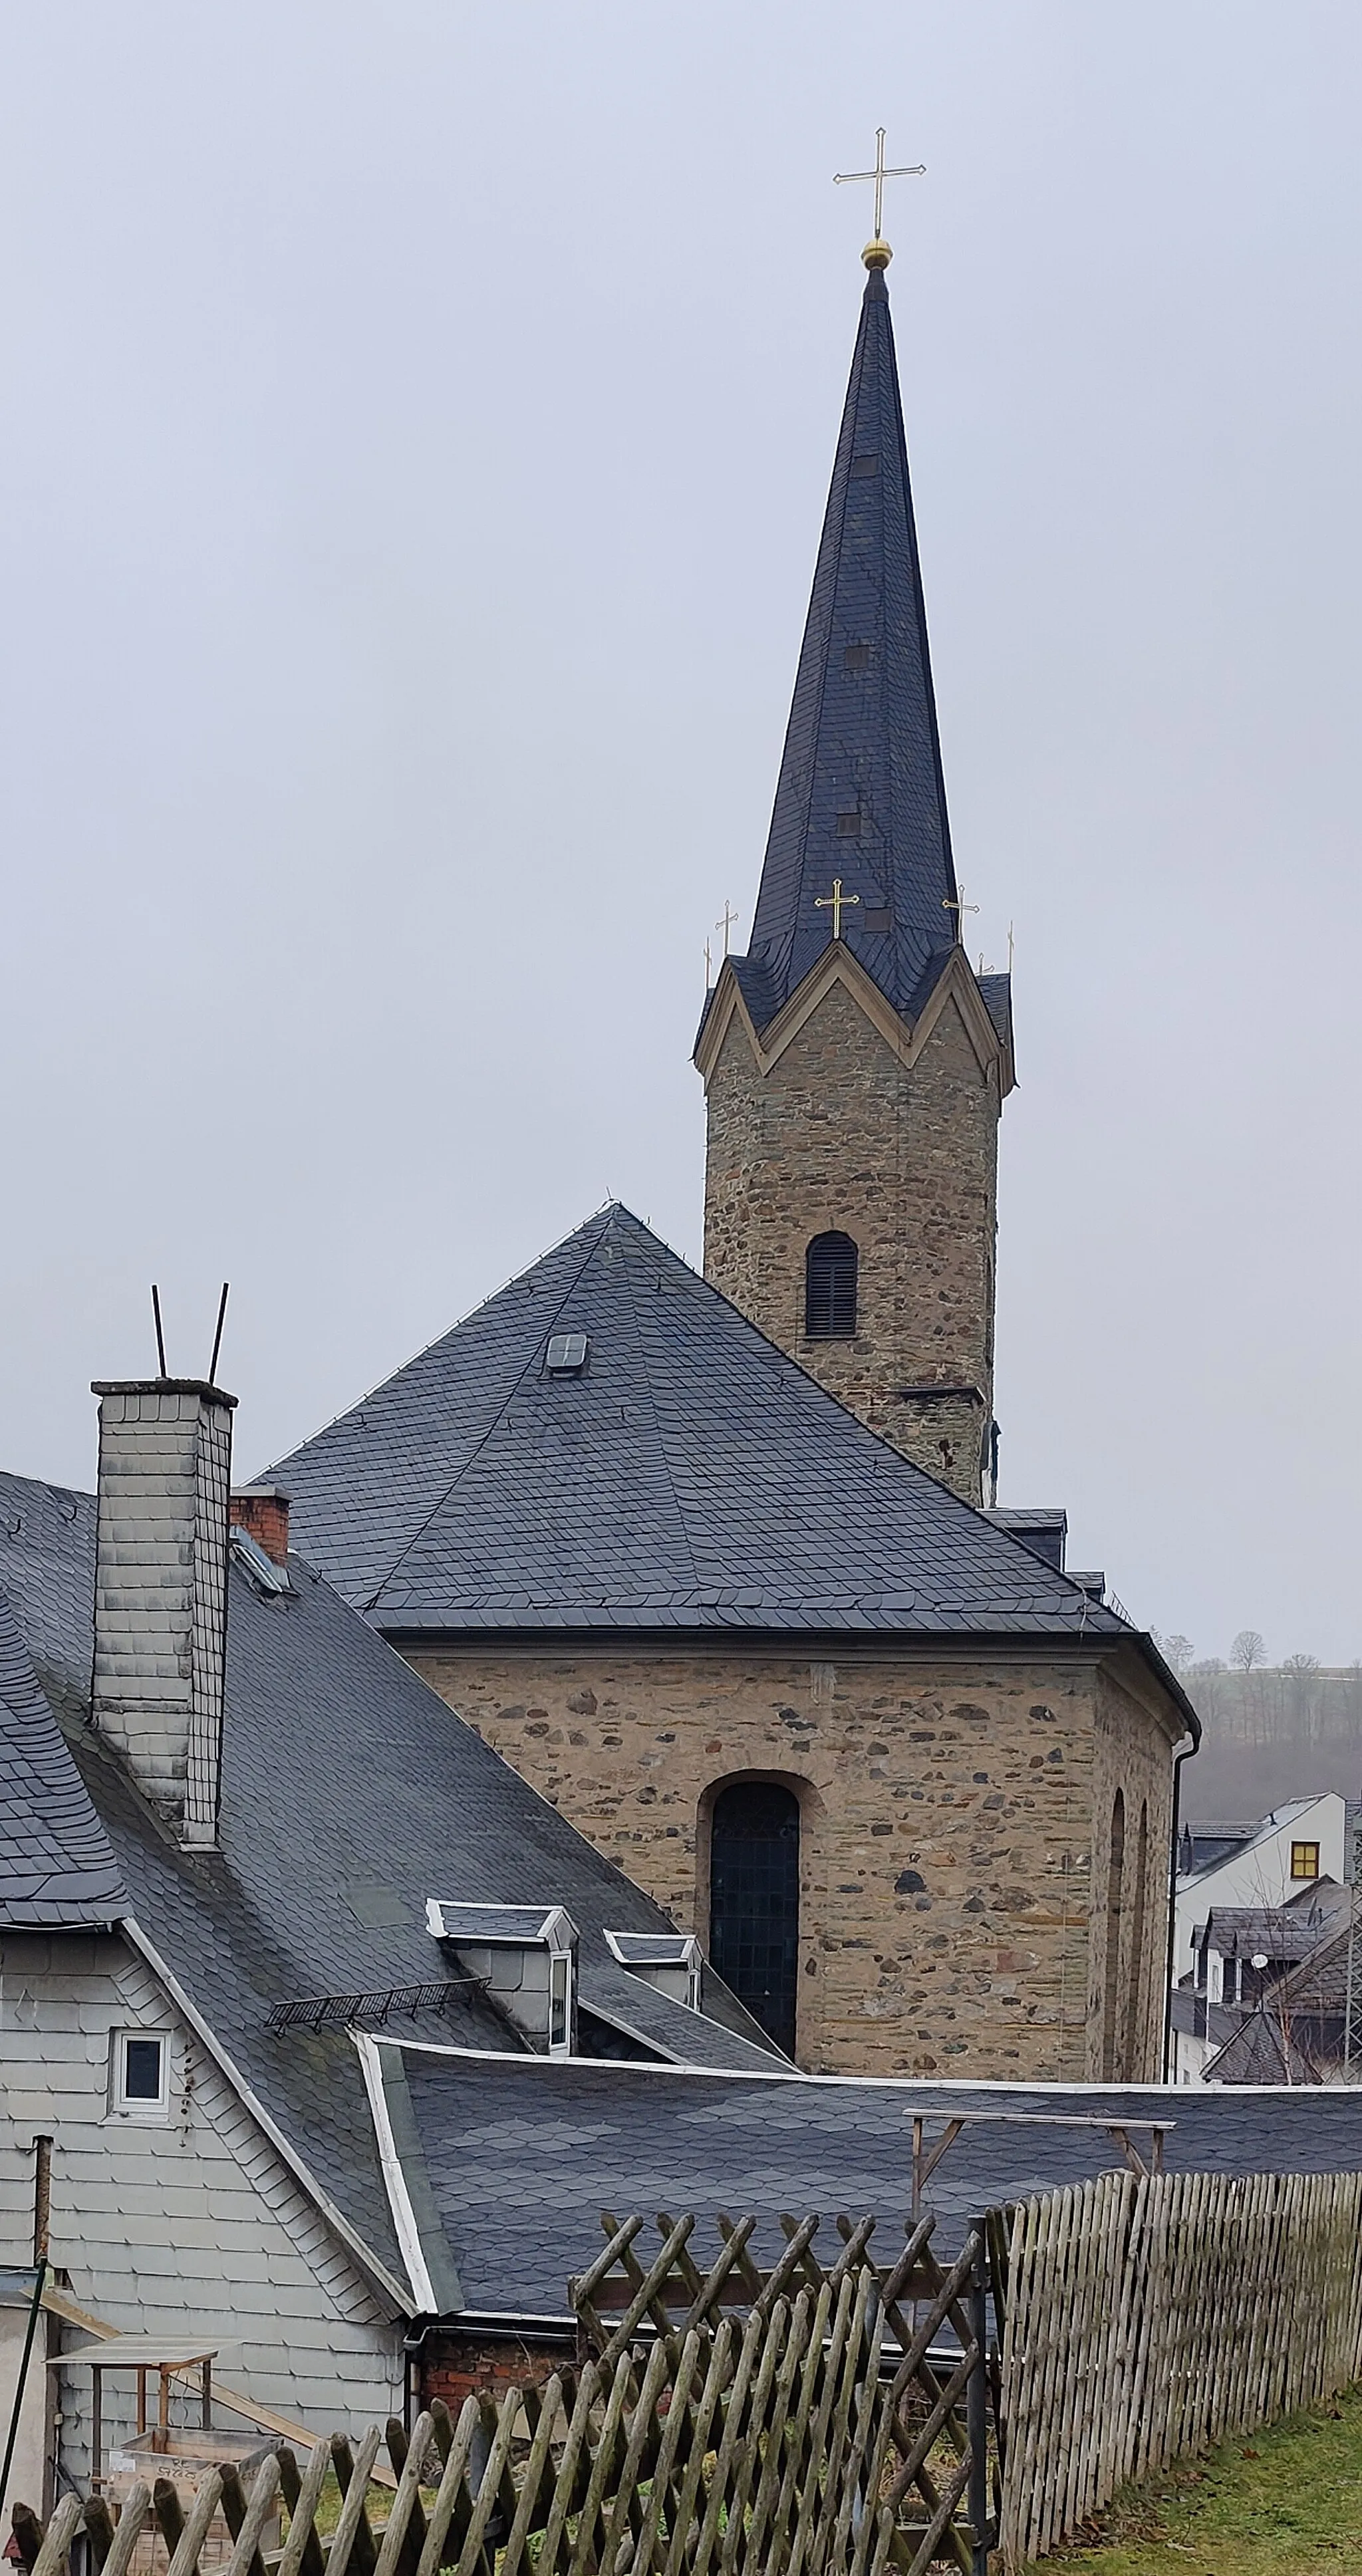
{"points": [[754, 1901]]}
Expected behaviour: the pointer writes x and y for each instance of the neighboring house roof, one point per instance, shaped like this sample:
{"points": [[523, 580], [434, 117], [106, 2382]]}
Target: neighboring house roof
{"points": [[691, 1478], [351, 1795], [1296, 2034], [1251, 1931], [1242, 1846], [514, 2162], [861, 794]]}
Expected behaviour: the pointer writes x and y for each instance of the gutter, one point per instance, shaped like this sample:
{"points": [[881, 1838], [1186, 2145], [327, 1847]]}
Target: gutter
{"points": [[1181, 1755]]}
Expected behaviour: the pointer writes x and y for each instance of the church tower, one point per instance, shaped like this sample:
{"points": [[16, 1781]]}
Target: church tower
{"points": [[854, 1064]]}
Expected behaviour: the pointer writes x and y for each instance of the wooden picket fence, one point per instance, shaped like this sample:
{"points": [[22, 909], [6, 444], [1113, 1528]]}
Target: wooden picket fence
{"points": [[1146, 2318], [837, 2426]]}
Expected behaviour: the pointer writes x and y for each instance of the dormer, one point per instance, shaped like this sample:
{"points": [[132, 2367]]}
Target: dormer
{"points": [[670, 1961], [526, 1957]]}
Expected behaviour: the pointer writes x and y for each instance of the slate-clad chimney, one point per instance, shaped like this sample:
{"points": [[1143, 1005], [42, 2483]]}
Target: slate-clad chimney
{"points": [[165, 1472]]}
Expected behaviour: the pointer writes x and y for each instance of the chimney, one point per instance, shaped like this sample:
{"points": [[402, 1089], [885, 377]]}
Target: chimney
{"points": [[165, 1472], [262, 1511]]}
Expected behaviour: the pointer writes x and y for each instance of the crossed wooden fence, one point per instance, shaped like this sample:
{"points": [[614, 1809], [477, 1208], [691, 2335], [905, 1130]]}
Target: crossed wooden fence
{"points": [[823, 2430], [1146, 2318]]}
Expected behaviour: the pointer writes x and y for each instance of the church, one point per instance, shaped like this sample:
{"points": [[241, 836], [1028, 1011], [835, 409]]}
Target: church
{"points": [[715, 1561]]}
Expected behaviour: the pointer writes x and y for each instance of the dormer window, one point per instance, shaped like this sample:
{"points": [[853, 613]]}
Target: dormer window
{"points": [[671, 1961], [526, 1957]]}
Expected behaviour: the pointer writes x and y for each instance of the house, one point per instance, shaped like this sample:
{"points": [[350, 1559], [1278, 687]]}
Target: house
{"points": [[1306, 2027], [1297, 1844], [1241, 1954], [256, 1835]]}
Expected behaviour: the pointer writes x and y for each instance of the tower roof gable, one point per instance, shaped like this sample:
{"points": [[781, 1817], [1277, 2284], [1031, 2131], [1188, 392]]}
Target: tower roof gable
{"points": [[685, 1476], [861, 795]]}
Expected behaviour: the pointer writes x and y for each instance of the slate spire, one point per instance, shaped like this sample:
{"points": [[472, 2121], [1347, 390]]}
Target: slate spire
{"points": [[861, 794]]}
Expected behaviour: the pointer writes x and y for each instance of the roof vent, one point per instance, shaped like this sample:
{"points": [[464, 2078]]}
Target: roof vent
{"points": [[566, 1354], [670, 1961]]}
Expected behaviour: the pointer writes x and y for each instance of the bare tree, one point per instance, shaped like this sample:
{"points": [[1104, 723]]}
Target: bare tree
{"points": [[1178, 1651], [1248, 1649]]}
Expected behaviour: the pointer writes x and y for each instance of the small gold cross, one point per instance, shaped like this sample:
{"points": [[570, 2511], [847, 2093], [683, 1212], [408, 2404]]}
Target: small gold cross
{"points": [[916, 170], [726, 921], [833, 903], [956, 903]]}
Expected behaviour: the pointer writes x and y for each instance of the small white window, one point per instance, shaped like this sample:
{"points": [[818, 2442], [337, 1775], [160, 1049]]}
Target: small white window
{"points": [[560, 2003], [139, 2075]]}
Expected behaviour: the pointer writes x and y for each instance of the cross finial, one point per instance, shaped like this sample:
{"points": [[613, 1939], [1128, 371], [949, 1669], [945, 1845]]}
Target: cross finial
{"points": [[833, 903], [956, 903], [877, 253], [725, 922]]}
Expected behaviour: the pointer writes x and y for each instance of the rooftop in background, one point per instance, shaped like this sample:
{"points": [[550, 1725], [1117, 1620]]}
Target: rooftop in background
{"points": [[692, 1477]]}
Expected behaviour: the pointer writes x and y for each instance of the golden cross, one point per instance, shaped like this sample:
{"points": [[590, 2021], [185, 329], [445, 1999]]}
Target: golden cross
{"points": [[726, 921], [833, 903], [916, 170], [956, 903]]}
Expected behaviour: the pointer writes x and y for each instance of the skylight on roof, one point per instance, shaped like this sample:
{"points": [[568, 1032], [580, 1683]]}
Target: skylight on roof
{"points": [[566, 1354]]}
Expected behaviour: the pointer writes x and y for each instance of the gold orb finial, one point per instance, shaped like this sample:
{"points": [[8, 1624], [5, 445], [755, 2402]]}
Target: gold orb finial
{"points": [[877, 253]]}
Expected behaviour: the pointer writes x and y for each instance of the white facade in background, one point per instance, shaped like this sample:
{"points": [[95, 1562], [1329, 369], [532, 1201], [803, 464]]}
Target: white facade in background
{"points": [[170, 2211], [1261, 1873]]}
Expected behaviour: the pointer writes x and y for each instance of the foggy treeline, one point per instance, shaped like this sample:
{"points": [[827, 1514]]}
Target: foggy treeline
{"points": [[1271, 1731]]}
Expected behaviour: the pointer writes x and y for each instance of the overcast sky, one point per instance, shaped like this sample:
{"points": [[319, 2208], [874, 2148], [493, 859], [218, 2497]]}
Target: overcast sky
{"points": [[415, 426]]}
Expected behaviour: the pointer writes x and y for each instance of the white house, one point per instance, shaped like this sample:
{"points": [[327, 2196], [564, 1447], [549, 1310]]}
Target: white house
{"points": [[1298, 1843]]}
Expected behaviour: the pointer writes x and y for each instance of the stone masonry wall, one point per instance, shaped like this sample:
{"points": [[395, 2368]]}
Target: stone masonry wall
{"points": [[1131, 1753], [840, 1134], [947, 1822]]}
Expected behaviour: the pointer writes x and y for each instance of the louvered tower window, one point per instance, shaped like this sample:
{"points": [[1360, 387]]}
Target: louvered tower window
{"points": [[830, 1288]]}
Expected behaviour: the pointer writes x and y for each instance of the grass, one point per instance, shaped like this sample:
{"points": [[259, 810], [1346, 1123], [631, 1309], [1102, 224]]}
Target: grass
{"points": [[1287, 2502]]}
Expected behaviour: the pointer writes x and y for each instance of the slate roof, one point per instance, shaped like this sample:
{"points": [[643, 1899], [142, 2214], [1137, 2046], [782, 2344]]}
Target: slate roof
{"points": [[351, 1794], [521, 2159], [861, 794], [691, 1479], [56, 1861]]}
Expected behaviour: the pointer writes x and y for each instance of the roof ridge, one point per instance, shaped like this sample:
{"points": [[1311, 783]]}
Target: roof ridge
{"points": [[681, 1521], [606, 1217]]}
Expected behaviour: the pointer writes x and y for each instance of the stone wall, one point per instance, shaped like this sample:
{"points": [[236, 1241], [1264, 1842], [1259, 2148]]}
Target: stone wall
{"points": [[840, 1132], [947, 1824]]}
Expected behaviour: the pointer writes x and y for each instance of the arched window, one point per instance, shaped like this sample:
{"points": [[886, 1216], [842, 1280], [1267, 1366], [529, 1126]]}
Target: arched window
{"points": [[1110, 2000], [830, 1288], [1131, 2068], [754, 1901]]}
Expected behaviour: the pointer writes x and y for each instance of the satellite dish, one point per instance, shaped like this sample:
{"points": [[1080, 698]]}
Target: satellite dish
{"points": [[1259, 1959]]}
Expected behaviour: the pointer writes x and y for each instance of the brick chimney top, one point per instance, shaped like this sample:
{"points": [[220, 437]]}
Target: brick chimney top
{"points": [[262, 1511]]}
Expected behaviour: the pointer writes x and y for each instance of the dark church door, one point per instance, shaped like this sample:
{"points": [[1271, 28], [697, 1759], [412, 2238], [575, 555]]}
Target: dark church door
{"points": [[754, 1901]]}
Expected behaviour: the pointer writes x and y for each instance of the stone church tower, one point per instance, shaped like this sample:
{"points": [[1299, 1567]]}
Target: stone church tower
{"points": [[855, 1066]]}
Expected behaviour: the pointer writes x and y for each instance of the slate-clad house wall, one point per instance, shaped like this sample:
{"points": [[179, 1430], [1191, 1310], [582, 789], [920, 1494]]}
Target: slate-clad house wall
{"points": [[188, 2218]]}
